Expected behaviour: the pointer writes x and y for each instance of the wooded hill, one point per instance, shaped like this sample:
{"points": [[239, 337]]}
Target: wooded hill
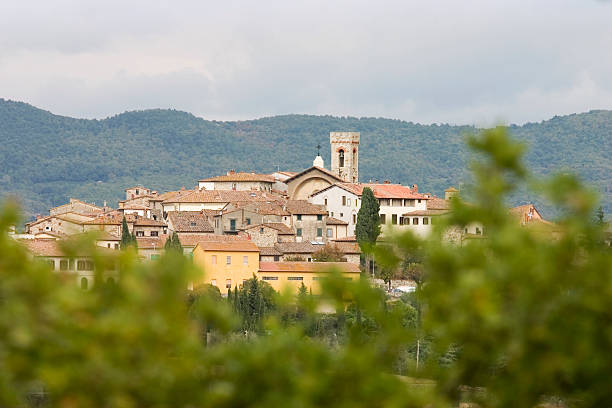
{"points": [[46, 158]]}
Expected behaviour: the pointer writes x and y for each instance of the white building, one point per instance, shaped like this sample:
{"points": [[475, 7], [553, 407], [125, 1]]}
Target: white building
{"points": [[343, 201]]}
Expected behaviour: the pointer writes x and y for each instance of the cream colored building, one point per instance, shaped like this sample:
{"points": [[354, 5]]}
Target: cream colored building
{"points": [[238, 182], [225, 264], [291, 275]]}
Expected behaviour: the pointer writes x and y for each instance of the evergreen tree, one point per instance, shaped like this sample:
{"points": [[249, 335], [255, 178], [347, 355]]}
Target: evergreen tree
{"points": [[367, 228], [599, 216], [134, 242], [126, 238], [173, 243], [368, 221]]}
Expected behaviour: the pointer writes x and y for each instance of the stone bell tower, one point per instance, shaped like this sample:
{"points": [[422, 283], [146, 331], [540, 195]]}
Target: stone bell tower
{"points": [[345, 155]]}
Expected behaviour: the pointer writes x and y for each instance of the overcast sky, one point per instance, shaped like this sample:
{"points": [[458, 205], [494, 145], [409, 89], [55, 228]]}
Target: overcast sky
{"points": [[425, 61]]}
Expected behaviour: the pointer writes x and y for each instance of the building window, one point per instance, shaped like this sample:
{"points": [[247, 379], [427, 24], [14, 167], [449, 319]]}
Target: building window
{"points": [[154, 233], [299, 217], [295, 278], [270, 278], [325, 201], [232, 224], [319, 217], [116, 246], [330, 233], [343, 200], [394, 219], [415, 221], [341, 158], [84, 283], [64, 265], [140, 233], [233, 186], [354, 218], [383, 219], [228, 260], [298, 232], [477, 231], [319, 232], [332, 214], [276, 258], [228, 283], [108, 245], [245, 260], [261, 230], [213, 282], [51, 263], [419, 201], [137, 192], [192, 223], [214, 259], [425, 221], [248, 221], [84, 265], [341, 215]]}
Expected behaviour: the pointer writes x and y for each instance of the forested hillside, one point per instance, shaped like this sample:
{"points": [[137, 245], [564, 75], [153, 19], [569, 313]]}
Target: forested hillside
{"points": [[45, 158]]}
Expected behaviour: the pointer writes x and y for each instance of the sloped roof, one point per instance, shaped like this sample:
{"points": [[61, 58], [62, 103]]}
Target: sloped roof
{"points": [[522, 213], [189, 221], [220, 196], [349, 248], [269, 251], [303, 207], [242, 176], [53, 248], [335, 221], [279, 226], [304, 247], [191, 240], [228, 246], [313, 168], [260, 207], [318, 267], [151, 242], [352, 238], [380, 190], [437, 203], [148, 222]]}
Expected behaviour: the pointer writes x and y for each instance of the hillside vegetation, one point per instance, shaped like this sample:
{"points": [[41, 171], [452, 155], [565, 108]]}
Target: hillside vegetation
{"points": [[45, 158]]}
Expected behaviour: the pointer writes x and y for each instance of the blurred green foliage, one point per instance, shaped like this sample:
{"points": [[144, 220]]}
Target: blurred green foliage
{"points": [[514, 320], [45, 158]]}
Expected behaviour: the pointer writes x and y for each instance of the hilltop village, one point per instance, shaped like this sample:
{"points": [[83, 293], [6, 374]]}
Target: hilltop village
{"points": [[242, 224]]}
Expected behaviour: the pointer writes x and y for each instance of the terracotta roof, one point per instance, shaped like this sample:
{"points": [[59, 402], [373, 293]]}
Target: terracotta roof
{"points": [[437, 203], [148, 222], [418, 213], [319, 267], [231, 176], [151, 242], [228, 246], [53, 248], [191, 240], [189, 221], [350, 248], [269, 251], [335, 221], [303, 207], [304, 247], [313, 168], [352, 238], [279, 226], [263, 208], [383, 190], [220, 196], [287, 173]]}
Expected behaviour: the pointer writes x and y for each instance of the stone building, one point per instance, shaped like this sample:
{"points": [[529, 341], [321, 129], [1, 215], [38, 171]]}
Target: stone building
{"points": [[308, 220], [147, 227], [345, 155], [268, 234], [239, 216], [189, 222]]}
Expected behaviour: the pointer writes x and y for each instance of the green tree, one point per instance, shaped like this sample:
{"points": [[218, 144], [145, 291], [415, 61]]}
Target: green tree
{"points": [[367, 228], [599, 216], [173, 243], [127, 239], [329, 253]]}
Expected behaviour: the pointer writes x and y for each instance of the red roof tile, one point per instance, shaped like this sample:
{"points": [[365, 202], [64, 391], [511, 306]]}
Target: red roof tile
{"points": [[318, 267]]}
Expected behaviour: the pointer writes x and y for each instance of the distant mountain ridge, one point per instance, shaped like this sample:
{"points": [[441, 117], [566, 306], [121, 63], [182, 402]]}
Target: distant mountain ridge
{"points": [[46, 158]]}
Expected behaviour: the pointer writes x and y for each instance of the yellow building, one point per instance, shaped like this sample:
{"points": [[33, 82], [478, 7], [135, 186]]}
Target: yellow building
{"points": [[281, 275], [226, 264]]}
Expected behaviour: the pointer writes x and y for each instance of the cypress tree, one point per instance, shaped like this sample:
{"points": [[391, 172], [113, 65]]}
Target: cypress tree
{"points": [[367, 228], [126, 238]]}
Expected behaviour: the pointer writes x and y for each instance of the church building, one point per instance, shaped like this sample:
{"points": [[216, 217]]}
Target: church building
{"points": [[344, 167]]}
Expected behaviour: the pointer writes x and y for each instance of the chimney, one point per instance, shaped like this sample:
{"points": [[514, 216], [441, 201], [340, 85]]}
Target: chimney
{"points": [[415, 189], [387, 182], [183, 188], [38, 216], [231, 172]]}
